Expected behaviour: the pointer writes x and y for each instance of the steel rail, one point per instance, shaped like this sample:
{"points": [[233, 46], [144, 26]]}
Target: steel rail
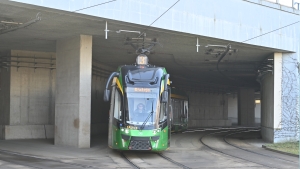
{"points": [[226, 141], [172, 161], [45, 159], [221, 152], [128, 161]]}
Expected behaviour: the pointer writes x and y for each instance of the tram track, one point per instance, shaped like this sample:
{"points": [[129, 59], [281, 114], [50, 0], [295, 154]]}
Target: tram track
{"points": [[9, 156], [226, 141], [249, 156], [136, 166], [129, 161], [174, 162], [227, 154]]}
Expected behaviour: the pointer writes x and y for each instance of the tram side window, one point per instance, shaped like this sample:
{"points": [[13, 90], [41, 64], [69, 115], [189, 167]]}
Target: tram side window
{"points": [[186, 109], [182, 109], [176, 110], [117, 108], [162, 114]]}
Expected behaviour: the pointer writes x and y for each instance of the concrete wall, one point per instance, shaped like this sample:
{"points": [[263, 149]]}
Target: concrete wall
{"points": [[233, 109], [32, 91], [267, 107], [288, 117], [100, 109], [257, 113], [246, 102], [208, 109], [30, 97]]}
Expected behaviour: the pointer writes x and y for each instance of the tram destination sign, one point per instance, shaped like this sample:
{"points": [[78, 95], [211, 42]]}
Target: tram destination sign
{"points": [[139, 90]]}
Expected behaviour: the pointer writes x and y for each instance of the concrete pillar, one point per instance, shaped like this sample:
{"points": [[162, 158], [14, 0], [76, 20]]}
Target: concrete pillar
{"points": [[271, 86], [267, 107], [73, 91], [225, 106], [246, 108], [277, 90], [4, 99]]}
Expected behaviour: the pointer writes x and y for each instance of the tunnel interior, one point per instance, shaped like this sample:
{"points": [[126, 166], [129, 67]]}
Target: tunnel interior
{"points": [[215, 86]]}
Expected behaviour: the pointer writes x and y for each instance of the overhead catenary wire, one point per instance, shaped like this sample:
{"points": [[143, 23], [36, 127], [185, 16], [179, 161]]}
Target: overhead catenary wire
{"points": [[158, 18], [220, 59], [94, 5], [38, 18], [271, 31]]}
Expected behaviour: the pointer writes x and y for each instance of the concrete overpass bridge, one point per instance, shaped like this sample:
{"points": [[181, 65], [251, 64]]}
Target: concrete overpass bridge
{"points": [[55, 60]]}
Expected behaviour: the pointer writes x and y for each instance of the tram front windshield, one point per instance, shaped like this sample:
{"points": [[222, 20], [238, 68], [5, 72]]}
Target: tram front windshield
{"points": [[142, 106]]}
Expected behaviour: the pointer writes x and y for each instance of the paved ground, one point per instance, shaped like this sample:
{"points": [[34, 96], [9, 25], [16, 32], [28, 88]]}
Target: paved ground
{"points": [[242, 150]]}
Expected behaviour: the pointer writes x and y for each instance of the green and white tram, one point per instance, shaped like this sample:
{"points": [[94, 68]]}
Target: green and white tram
{"points": [[140, 107]]}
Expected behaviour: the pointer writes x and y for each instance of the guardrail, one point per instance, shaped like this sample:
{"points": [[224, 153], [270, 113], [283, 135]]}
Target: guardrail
{"points": [[289, 3]]}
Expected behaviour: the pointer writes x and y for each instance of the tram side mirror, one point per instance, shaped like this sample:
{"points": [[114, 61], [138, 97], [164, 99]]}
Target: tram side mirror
{"points": [[106, 95], [164, 97]]}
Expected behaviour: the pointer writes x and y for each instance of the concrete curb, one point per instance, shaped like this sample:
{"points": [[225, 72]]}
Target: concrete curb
{"points": [[277, 151]]}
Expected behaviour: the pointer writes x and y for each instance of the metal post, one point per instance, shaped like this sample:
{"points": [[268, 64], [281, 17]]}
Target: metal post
{"points": [[106, 30], [296, 3], [197, 45]]}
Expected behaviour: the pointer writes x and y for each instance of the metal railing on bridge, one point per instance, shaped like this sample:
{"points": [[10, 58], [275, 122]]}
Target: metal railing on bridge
{"points": [[289, 3]]}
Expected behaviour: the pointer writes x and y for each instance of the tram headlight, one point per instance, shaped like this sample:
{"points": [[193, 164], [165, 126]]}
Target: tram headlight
{"points": [[156, 131], [126, 131]]}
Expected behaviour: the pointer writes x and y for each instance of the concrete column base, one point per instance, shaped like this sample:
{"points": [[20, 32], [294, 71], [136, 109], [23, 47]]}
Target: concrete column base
{"points": [[267, 134], [11, 132]]}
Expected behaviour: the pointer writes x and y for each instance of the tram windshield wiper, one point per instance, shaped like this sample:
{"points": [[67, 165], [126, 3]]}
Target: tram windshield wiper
{"points": [[144, 123]]}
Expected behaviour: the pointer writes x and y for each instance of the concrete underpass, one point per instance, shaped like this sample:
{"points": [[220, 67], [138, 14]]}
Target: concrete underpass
{"points": [[53, 71]]}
